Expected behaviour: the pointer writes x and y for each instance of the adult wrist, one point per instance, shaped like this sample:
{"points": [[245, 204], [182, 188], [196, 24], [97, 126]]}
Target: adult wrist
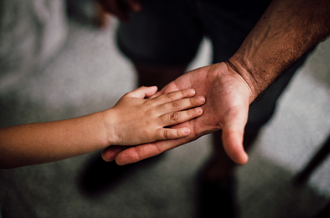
{"points": [[243, 69]]}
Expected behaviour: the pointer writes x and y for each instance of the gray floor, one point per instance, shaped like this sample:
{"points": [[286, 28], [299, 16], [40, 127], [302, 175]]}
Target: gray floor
{"points": [[89, 75]]}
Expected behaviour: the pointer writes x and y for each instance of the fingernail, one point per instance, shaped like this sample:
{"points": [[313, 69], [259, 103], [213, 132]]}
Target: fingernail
{"points": [[198, 110], [186, 131], [201, 99], [192, 91]]}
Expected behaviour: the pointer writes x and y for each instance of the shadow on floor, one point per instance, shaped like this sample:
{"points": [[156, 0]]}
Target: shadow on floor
{"points": [[99, 177]]}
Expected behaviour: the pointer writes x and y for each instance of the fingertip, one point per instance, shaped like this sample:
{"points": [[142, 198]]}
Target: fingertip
{"points": [[119, 163], [187, 93], [192, 91], [185, 131], [242, 159], [151, 90], [199, 110], [130, 155], [238, 155], [106, 157], [233, 145], [109, 154], [123, 160], [201, 99], [153, 87]]}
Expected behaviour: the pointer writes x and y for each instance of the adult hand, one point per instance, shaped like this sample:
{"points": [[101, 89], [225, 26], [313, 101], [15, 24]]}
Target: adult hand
{"points": [[228, 97], [121, 8]]}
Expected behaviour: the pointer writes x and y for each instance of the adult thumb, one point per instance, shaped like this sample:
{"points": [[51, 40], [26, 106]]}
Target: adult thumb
{"points": [[233, 134], [233, 144]]}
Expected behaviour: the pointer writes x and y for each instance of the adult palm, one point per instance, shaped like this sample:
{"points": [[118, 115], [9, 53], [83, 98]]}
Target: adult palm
{"points": [[227, 102]]}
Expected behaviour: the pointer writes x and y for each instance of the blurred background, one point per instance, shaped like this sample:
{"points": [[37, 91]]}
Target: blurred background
{"points": [[58, 60]]}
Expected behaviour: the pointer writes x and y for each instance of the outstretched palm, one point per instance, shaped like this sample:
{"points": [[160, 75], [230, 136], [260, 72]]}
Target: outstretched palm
{"points": [[227, 102]]}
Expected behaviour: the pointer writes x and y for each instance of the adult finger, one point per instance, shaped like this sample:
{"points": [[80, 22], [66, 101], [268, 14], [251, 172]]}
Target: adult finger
{"points": [[141, 152], [233, 145], [109, 153]]}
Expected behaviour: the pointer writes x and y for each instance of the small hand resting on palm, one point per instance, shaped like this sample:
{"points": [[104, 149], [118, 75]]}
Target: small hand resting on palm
{"points": [[134, 120]]}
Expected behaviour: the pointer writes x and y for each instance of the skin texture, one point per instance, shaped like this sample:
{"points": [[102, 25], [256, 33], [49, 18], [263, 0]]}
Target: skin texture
{"points": [[284, 33], [133, 120], [287, 29]]}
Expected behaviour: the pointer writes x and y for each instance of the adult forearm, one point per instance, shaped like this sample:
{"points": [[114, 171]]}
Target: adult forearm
{"points": [[287, 29], [50, 141]]}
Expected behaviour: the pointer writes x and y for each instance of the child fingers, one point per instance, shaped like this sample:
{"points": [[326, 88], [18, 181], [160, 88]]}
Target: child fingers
{"points": [[176, 95], [181, 104], [180, 117], [142, 92], [167, 133]]}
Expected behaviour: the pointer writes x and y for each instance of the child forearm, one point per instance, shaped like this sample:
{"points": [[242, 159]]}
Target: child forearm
{"points": [[51, 141]]}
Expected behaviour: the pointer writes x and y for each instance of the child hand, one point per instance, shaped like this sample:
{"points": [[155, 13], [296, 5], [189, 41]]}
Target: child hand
{"points": [[135, 120]]}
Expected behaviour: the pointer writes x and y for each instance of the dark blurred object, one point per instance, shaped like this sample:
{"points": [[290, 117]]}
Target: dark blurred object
{"points": [[217, 194], [88, 12], [217, 199], [99, 176], [302, 177], [325, 212], [314, 163], [101, 18]]}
